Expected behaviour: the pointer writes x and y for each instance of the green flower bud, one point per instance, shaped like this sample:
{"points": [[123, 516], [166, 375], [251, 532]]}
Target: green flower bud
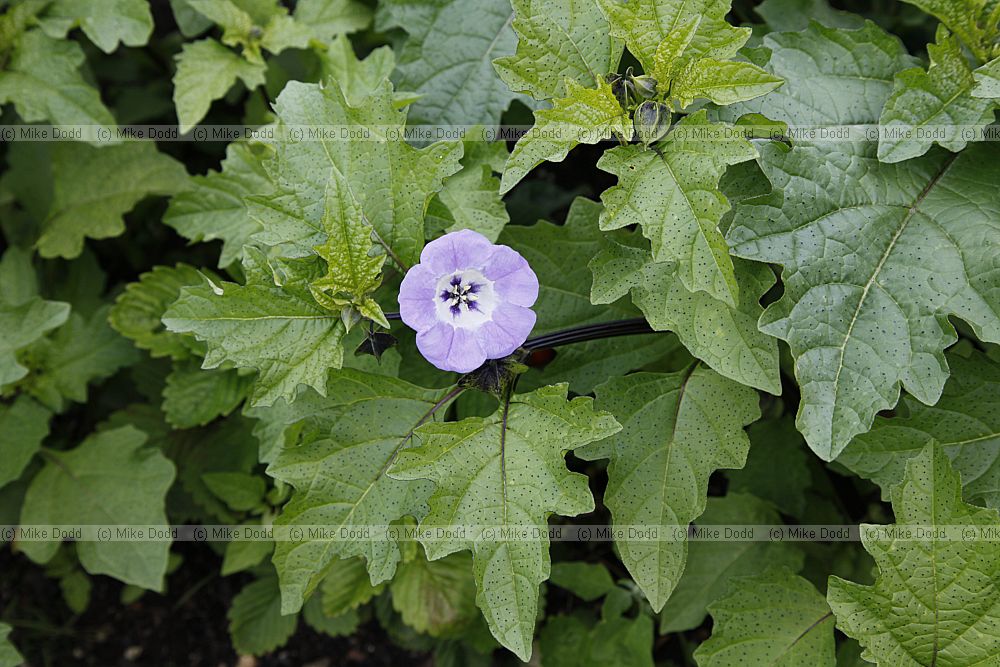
{"points": [[651, 122]]}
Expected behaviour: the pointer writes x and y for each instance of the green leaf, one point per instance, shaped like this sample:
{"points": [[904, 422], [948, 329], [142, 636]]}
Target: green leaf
{"points": [[206, 70], [244, 555], [558, 41], [338, 469], [588, 581], [987, 80], [213, 207], [838, 77], [391, 181], [279, 331], [239, 490], [335, 626], [195, 397], [875, 257], [110, 478], [346, 587], [23, 425], [644, 24], [9, 657], [966, 421], [677, 428], [509, 471], [613, 641], [783, 485], [470, 199], [80, 353], [436, 597], [137, 311], [448, 57], [75, 588], [95, 187], [932, 102], [974, 21], [43, 81], [357, 79], [327, 18], [584, 115], [795, 15], [20, 326], [558, 254], [105, 22], [774, 618], [711, 565], [255, 621], [722, 82], [672, 192], [934, 601]]}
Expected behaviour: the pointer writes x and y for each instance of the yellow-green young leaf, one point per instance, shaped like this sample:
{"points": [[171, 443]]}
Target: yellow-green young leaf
{"points": [[677, 429], [448, 57], [966, 421], [556, 41], [338, 469], [194, 396], [213, 208], [711, 565], [470, 199], [137, 311], [672, 191], [875, 257], [105, 22], [987, 80], [328, 18], [357, 79], [774, 618], [391, 181], [87, 485], [280, 331], [667, 59], [974, 21], [723, 82], [9, 657], [94, 187], [21, 325], [353, 270], [584, 115], [436, 597], [507, 470], [256, 624], [81, 352], [23, 425], [926, 107], [346, 587], [43, 81], [644, 24], [206, 70], [934, 601]]}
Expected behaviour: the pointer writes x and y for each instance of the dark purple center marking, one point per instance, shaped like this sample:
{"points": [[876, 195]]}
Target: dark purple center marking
{"points": [[460, 294]]}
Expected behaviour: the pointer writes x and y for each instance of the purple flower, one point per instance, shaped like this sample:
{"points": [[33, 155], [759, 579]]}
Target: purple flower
{"points": [[468, 300]]}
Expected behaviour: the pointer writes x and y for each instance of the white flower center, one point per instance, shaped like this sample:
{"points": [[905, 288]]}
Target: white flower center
{"points": [[464, 299]]}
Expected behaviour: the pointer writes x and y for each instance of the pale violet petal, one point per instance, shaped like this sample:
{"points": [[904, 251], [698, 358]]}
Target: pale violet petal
{"points": [[455, 251]]}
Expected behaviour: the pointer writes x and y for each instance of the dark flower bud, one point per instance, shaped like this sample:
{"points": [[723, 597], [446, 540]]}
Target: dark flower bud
{"points": [[651, 122]]}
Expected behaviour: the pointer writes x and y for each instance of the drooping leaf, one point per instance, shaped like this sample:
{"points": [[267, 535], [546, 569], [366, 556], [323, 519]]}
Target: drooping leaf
{"points": [[934, 601], [390, 181], [436, 597], [338, 469], [105, 22], [213, 207], [677, 428], [206, 70], [21, 325], [774, 618], [138, 310], [95, 187], [43, 81], [346, 587], [506, 471], [194, 397], [584, 115], [256, 624], [23, 425], [933, 106], [84, 486], [280, 331], [712, 565], [448, 57], [558, 41], [672, 192], [859, 240], [966, 421]]}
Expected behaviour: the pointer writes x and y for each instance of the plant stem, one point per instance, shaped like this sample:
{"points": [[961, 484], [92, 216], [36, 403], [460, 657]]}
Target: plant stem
{"points": [[632, 327]]}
